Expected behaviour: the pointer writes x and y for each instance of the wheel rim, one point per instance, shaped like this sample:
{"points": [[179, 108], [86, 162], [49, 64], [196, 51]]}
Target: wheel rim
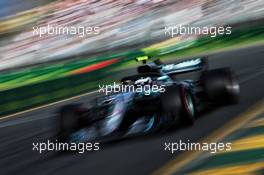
{"points": [[190, 106]]}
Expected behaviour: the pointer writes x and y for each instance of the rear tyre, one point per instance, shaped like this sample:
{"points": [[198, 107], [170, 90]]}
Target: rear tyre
{"points": [[220, 86], [177, 101]]}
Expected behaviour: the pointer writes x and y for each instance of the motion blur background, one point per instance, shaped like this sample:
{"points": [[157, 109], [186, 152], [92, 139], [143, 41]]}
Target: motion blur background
{"points": [[122, 24], [38, 70], [127, 29]]}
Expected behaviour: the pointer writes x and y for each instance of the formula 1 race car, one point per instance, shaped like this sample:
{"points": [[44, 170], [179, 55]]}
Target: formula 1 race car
{"points": [[165, 103]]}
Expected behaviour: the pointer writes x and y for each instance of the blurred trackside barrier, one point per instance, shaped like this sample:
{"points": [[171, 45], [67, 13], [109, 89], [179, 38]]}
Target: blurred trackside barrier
{"points": [[43, 72], [35, 94]]}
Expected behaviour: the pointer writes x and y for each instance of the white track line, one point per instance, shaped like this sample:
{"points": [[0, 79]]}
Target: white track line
{"points": [[47, 105]]}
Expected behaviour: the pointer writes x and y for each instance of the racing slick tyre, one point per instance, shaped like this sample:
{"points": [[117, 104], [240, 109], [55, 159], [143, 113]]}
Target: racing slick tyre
{"points": [[220, 86], [177, 101], [68, 122]]}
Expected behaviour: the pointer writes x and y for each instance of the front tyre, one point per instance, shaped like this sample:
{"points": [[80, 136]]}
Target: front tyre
{"points": [[177, 101], [69, 122]]}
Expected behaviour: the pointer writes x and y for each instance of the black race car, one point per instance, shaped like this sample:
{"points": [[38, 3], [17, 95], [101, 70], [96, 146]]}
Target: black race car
{"points": [[152, 100]]}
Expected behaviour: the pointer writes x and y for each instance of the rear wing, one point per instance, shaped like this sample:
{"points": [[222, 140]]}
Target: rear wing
{"points": [[186, 66]]}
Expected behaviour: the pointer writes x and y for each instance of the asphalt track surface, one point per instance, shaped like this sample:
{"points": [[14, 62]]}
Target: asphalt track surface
{"points": [[136, 156]]}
